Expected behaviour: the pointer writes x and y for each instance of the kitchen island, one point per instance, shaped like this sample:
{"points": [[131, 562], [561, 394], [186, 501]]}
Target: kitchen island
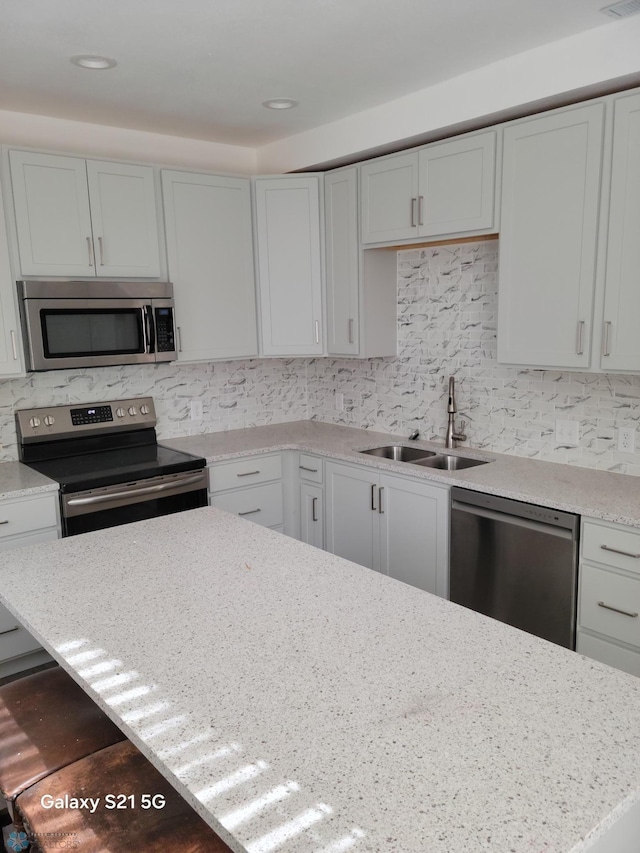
{"points": [[302, 703]]}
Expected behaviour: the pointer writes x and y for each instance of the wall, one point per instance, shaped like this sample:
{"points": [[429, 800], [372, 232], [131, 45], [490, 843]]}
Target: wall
{"points": [[234, 394], [447, 302]]}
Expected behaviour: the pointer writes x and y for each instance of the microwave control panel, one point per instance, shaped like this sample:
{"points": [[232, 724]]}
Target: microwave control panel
{"points": [[165, 341]]}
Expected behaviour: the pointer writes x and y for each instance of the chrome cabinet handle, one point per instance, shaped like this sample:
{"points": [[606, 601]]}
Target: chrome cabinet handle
{"points": [[179, 338], [314, 507], [90, 250], [317, 332], [617, 610], [101, 245], [624, 553], [250, 511], [10, 630], [373, 498], [380, 508], [304, 468], [605, 342], [414, 202], [14, 349], [420, 202], [351, 330], [579, 346], [248, 473]]}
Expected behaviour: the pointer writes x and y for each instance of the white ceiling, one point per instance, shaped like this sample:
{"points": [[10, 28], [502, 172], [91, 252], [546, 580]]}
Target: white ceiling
{"points": [[201, 68]]}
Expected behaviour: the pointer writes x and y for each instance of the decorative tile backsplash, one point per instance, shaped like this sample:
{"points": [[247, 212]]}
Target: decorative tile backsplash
{"points": [[447, 300], [447, 306]]}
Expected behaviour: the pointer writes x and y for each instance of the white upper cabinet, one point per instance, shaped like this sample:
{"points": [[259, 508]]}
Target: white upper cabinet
{"points": [[457, 185], [79, 218], [10, 354], [443, 189], [389, 198], [341, 236], [289, 266], [621, 320], [550, 207], [210, 251]]}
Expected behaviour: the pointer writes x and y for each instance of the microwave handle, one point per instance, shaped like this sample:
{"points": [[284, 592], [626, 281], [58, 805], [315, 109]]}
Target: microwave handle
{"points": [[150, 329]]}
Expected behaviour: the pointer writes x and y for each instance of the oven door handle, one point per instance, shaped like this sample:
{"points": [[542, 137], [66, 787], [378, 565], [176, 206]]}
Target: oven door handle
{"points": [[150, 329], [132, 493]]}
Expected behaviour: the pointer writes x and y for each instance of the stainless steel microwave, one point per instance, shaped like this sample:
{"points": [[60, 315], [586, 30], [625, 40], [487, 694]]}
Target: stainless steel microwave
{"points": [[69, 324]]}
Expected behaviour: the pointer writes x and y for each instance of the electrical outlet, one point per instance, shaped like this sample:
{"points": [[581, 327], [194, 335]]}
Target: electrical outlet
{"points": [[567, 433], [196, 410], [626, 439], [339, 402]]}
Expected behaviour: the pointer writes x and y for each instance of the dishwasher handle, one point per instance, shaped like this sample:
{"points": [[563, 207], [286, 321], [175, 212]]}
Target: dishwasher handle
{"points": [[505, 518]]}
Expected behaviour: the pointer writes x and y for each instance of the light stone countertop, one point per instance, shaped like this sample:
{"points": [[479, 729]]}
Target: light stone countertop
{"points": [[601, 494], [17, 481], [303, 704]]}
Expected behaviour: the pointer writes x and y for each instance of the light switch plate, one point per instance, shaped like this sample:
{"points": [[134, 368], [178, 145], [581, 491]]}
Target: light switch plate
{"points": [[567, 433], [339, 402], [196, 410]]}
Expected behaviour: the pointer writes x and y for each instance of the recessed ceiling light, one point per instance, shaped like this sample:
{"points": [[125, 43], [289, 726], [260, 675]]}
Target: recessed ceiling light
{"points": [[280, 104], [97, 63]]}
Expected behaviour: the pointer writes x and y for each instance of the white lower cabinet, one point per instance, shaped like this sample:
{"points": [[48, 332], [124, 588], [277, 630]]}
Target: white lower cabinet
{"points": [[393, 524], [250, 487], [24, 521], [609, 595], [311, 475]]}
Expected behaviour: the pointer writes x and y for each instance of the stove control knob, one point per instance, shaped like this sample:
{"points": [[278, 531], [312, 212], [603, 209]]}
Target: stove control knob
{"points": [[120, 413], [34, 422], [49, 420], [144, 410], [133, 411]]}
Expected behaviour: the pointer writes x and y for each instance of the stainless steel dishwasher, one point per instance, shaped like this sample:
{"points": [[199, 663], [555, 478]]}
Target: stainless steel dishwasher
{"points": [[516, 562]]}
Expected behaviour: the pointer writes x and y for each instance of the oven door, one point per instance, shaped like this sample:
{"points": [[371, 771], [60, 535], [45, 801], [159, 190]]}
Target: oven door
{"points": [[109, 506], [71, 333]]}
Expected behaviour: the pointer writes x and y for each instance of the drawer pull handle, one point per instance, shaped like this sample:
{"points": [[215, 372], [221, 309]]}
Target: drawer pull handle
{"points": [[617, 610], [10, 630], [304, 468], [248, 474], [624, 553], [250, 511], [6, 521]]}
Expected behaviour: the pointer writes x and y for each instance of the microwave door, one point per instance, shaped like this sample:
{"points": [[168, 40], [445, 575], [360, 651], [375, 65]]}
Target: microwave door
{"points": [[85, 333]]}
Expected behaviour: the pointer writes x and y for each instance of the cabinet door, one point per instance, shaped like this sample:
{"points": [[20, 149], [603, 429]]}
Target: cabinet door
{"points": [[289, 269], [311, 515], [124, 219], [10, 355], [457, 185], [551, 183], [414, 533], [352, 518], [210, 250], [389, 198], [341, 234], [53, 222], [621, 333]]}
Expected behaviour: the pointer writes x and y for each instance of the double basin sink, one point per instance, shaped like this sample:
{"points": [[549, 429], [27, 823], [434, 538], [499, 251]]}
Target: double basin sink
{"points": [[427, 458]]}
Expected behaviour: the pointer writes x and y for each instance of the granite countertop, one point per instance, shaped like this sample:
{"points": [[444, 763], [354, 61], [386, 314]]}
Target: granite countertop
{"points": [[17, 480], [303, 704], [601, 494]]}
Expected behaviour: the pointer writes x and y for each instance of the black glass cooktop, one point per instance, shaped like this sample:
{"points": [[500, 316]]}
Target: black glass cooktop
{"points": [[120, 465]]}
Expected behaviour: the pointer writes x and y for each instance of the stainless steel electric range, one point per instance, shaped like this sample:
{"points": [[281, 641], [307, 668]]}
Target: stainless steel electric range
{"points": [[110, 468]]}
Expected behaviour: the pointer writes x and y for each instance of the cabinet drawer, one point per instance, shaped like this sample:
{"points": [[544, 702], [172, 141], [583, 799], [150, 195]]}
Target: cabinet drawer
{"points": [[599, 588], [262, 504], [310, 468], [244, 472], [19, 517], [618, 548], [609, 653], [14, 639]]}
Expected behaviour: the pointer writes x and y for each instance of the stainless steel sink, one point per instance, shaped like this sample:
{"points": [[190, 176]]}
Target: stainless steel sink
{"points": [[450, 463], [428, 458], [399, 453]]}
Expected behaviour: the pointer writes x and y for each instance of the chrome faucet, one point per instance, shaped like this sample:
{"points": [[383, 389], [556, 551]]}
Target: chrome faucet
{"points": [[452, 436]]}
